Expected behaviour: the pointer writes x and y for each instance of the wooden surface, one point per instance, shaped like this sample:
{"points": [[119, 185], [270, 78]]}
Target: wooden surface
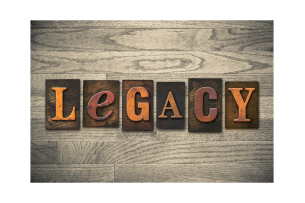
{"points": [[163, 51]]}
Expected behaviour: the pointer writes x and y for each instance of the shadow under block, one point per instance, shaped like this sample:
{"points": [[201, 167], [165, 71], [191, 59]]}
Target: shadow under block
{"points": [[178, 92], [232, 109], [142, 125], [195, 125], [92, 87], [71, 99]]}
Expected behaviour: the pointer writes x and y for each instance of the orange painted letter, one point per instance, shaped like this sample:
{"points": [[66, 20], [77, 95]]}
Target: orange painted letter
{"points": [[199, 104], [59, 105], [241, 104], [93, 104], [130, 104], [173, 107]]}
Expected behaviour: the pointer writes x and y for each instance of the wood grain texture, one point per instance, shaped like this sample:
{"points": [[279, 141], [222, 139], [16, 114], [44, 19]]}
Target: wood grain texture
{"points": [[259, 172], [214, 38], [118, 24], [72, 173], [151, 62], [163, 51], [163, 152], [43, 152]]}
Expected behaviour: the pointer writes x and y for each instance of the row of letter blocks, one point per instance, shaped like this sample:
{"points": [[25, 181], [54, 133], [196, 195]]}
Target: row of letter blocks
{"points": [[101, 104]]}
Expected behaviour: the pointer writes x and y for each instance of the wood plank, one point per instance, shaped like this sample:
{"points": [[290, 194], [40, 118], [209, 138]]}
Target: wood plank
{"points": [[105, 39], [119, 24], [147, 62], [72, 173], [163, 152], [43, 152], [91, 36], [258, 172], [265, 133]]}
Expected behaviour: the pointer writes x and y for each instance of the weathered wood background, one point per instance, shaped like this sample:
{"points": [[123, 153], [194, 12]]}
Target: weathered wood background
{"points": [[161, 51]]}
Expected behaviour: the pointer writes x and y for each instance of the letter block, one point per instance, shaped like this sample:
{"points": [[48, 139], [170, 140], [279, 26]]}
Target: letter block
{"points": [[101, 103], [205, 105], [170, 105], [62, 104], [137, 105], [241, 104]]}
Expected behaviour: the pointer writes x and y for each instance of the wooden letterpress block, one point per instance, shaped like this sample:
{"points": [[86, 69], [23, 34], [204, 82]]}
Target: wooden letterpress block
{"points": [[103, 108], [170, 105], [62, 104], [205, 104], [241, 104], [137, 105]]}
